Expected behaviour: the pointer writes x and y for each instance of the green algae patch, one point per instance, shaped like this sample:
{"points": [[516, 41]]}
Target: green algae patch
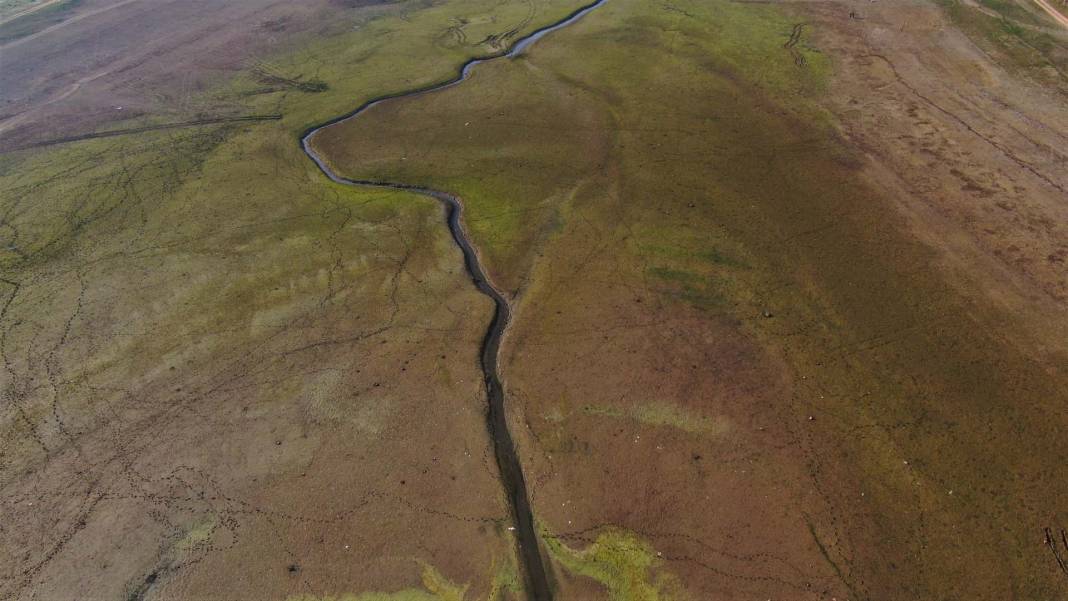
{"points": [[628, 567]]}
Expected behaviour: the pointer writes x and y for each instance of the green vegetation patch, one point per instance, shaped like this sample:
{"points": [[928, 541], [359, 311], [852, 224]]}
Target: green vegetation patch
{"points": [[628, 567], [198, 535]]}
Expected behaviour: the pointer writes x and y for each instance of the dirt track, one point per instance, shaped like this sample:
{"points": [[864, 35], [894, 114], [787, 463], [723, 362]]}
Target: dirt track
{"points": [[27, 10], [1053, 12], [66, 23], [147, 57]]}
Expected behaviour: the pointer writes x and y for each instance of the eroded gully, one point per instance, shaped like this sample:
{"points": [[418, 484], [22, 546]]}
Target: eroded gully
{"points": [[511, 471]]}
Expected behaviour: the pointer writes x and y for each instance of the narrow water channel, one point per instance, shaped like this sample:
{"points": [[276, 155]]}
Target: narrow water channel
{"points": [[511, 470]]}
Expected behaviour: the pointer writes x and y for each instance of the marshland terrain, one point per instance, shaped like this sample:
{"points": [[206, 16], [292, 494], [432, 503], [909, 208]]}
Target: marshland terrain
{"points": [[684, 300]]}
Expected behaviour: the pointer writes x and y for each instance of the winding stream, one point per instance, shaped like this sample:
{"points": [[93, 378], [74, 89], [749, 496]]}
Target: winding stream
{"points": [[504, 447]]}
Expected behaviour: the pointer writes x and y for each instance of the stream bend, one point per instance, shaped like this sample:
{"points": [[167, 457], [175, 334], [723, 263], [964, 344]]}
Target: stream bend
{"points": [[511, 470]]}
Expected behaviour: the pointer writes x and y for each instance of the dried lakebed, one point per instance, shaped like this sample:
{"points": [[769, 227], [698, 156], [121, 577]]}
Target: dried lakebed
{"points": [[508, 463]]}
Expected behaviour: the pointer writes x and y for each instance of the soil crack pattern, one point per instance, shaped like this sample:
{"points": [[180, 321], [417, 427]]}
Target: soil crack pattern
{"points": [[511, 471]]}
